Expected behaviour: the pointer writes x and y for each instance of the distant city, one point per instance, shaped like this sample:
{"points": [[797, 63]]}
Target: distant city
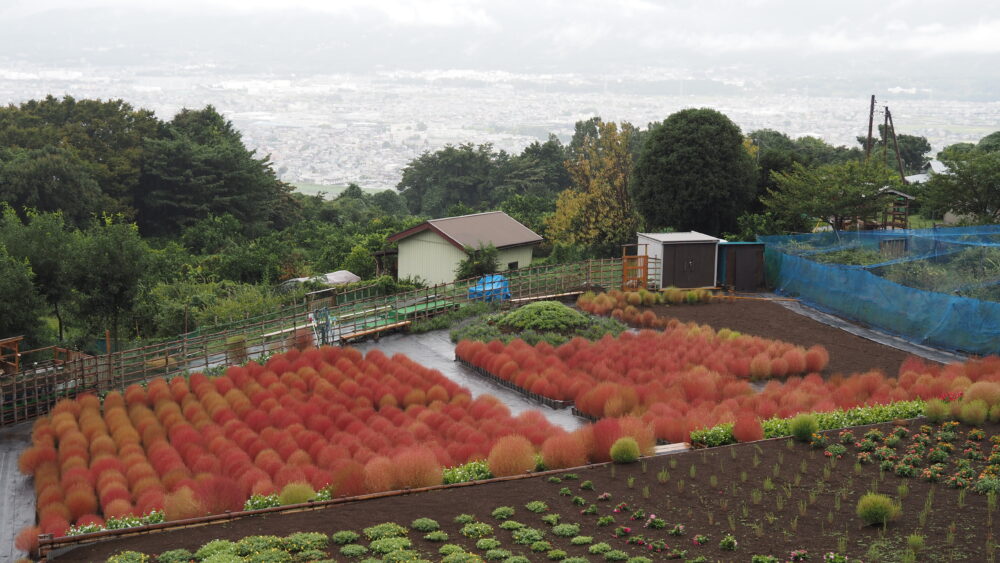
{"points": [[365, 128]]}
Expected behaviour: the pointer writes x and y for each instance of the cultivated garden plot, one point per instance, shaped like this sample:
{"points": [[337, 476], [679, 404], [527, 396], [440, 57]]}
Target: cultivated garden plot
{"points": [[323, 419], [690, 377], [779, 500]]}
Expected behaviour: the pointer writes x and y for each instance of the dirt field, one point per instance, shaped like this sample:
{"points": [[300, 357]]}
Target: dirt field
{"points": [[773, 496], [848, 353]]}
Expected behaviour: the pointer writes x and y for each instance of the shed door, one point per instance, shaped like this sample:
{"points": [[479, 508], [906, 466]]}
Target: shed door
{"points": [[694, 265], [748, 268]]}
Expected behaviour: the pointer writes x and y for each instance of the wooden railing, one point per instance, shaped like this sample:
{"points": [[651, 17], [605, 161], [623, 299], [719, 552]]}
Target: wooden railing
{"points": [[32, 392]]}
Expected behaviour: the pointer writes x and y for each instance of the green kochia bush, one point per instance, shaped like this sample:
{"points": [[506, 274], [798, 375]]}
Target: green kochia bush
{"points": [[877, 509], [780, 427], [625, 450], [802, 426]]}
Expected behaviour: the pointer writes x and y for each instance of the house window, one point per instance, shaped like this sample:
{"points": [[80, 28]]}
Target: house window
{"points": [[512, 265]]}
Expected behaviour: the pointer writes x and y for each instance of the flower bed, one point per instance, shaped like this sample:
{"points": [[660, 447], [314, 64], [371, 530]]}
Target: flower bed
{"points": [[326, 418], [688, 377], [779, 500]]}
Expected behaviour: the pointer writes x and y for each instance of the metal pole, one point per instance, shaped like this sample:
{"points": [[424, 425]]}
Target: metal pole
{"points": [[895, 143], [871, 119]]}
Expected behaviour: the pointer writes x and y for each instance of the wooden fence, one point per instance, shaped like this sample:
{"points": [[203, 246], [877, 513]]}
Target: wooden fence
{"points": [[32, 392]]}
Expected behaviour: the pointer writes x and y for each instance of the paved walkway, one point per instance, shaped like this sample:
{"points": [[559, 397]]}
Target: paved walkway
{"points": [[17, 494]]}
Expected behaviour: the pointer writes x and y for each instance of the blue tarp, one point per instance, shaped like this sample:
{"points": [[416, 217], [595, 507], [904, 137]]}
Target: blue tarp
{"points": [[490, 288]]}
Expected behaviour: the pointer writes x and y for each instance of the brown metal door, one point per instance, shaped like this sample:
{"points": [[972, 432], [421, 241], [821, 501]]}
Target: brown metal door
{"points": [[694, 265], [747, 267]]}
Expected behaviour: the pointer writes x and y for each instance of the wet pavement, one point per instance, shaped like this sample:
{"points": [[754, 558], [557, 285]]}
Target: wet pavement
{"points": [[435, 350], [17, 495]]}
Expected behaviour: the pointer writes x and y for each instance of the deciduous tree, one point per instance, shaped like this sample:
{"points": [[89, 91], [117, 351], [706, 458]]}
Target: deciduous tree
{"points": [[694, 173], [597, 211]]}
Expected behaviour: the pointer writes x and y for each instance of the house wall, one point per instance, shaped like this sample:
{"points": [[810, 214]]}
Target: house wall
{"points": [[519, 254], [428, 256]]}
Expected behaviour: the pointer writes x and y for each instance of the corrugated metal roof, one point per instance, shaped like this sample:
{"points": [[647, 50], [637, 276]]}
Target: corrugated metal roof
{"points": [[690, 236], [494, 227]]}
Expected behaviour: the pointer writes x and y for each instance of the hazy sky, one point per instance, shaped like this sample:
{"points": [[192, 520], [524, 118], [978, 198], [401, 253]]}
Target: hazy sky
{"points": [[930, 40]]}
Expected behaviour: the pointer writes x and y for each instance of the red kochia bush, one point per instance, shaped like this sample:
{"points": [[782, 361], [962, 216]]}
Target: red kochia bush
{"points": [[379, 475], [511, 455], [218, 494], [816, 358], [747, 429], [27, 539], [562, 451], [416, 467]]}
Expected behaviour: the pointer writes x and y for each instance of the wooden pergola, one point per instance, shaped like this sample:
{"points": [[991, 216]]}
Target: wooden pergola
{"points": [[10, 354]]}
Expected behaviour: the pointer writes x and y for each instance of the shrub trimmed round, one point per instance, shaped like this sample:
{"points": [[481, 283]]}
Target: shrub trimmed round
{"points": [[803, 426], [937, 410], [876, 509], [625, 450]]}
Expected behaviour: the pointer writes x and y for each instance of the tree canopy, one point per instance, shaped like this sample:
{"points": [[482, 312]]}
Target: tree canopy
{"points": [[971, 187], [694, 173], [597, 211], [832, 193]]}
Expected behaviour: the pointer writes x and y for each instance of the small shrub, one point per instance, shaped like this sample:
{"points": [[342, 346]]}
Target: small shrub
{"points": [[475, 530], [296, 493], [449, 548], [599, 548], [511, 525], [252, 544], [915, 542], [487, 543], [625, 450], [305, 541], [551, 519], [353, 550], [496, 554], [517, 559], [464, 518], [215, 547], [503, 512], [556, 555], [582, 540], [175, 556], [728, 543], [462, 557], [344, 537], [877, 509], [269, 555], [129, 557], [615, 555], [536, 506], [974, 413], [748, 429], [566, 530], [436, 535], [310, 556], [540, 546], [527, 536], [390, 544], [384, 530], [937, 411], [803, 426], [425, 525]]}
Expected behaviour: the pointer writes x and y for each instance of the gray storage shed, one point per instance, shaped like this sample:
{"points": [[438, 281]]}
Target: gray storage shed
{"points": [[688, 259]]}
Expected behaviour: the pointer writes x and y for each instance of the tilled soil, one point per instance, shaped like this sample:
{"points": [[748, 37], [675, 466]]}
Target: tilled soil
{"points": [[773, 496], [848, 353]]}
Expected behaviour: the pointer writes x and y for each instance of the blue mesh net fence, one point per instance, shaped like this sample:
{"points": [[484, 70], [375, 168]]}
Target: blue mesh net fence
{"points": [[933, 286]]}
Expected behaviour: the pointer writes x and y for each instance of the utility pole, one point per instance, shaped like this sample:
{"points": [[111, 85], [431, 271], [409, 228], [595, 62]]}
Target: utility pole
{"points": [[895, 143], [871, 118], [885, 139]]}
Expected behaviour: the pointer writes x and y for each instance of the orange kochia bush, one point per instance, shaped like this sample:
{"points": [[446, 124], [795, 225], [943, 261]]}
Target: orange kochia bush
{"points": [[689, 377], [326, 417]]}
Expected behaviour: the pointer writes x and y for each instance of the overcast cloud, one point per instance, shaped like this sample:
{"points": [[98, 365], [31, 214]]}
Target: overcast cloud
{"points": [[909, 40]]}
